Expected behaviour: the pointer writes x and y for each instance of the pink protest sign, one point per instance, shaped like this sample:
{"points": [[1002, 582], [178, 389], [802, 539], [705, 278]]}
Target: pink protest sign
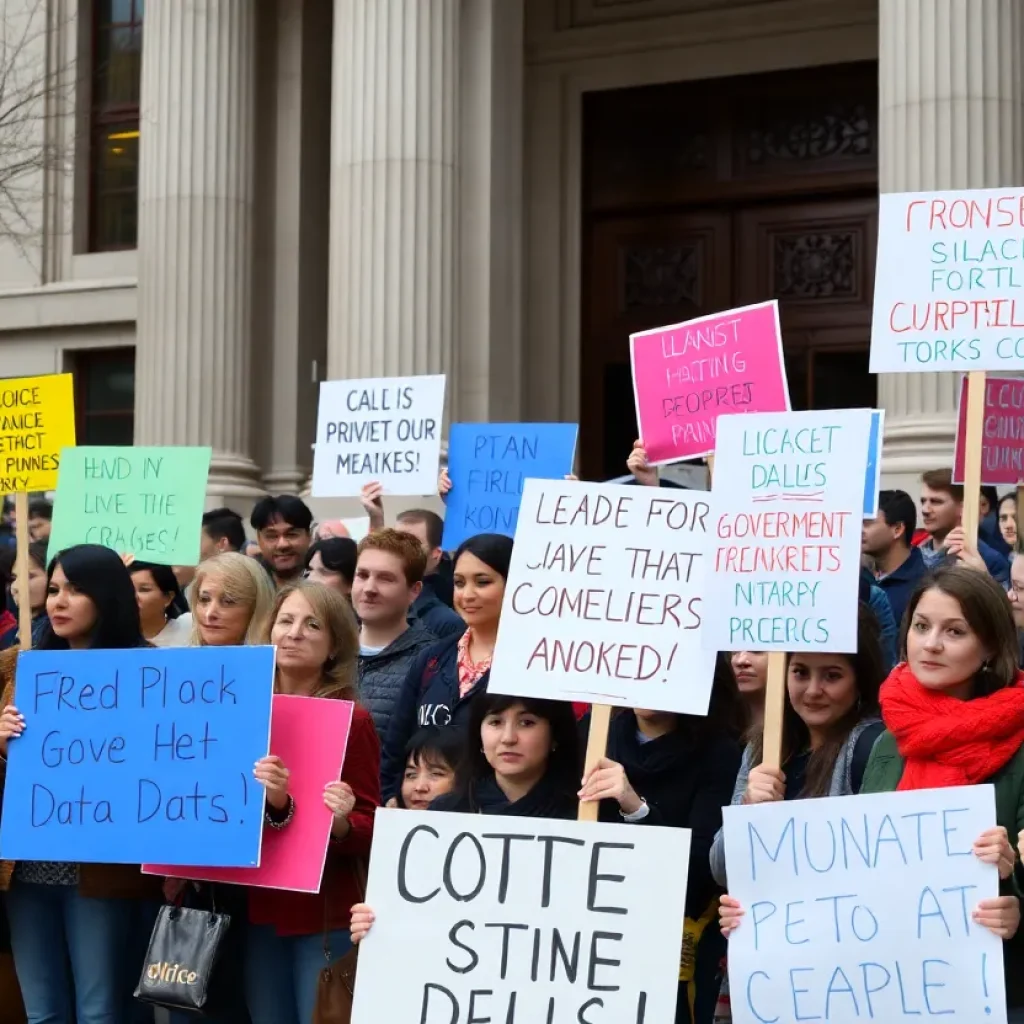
{"points": [[687, 375], [310, 736], [1002, 438]]}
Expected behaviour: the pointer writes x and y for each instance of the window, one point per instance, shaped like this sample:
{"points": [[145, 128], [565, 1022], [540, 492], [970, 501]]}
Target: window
{"points": [[116, 81], [105, 396]]}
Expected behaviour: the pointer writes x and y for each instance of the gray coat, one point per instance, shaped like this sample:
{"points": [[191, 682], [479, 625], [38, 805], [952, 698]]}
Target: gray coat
{"points": [[381, 675]]}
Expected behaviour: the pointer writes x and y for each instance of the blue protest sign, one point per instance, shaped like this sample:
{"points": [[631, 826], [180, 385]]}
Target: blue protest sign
{"points": [[488, 464], [871, 479], [139, 755]]}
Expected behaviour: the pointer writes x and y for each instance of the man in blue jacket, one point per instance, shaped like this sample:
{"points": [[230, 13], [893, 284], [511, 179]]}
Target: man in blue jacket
{"points": [[888, 540]]}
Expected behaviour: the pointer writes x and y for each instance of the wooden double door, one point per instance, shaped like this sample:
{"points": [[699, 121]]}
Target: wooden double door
{"points": [[668, 239]]}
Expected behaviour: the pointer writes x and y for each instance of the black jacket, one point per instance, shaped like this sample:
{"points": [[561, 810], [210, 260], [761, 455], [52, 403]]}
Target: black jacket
{"points": [[429, 696], [381, 675], [435, 616], [686, 780]]}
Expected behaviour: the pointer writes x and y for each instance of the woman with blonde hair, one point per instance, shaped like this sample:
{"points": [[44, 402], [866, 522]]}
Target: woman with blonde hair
{"points": [[314, 631], [232, 598]]}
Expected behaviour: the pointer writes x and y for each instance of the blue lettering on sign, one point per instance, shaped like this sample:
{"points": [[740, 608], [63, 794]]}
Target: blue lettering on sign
{"points": [[489, 463], [135, 756]]}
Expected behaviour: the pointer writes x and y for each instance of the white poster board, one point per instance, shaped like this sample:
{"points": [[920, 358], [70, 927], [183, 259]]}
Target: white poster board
{"points": [[784, 563], [859, 908], [521, 920], [948, 282], [385, 430], [604, 600]]}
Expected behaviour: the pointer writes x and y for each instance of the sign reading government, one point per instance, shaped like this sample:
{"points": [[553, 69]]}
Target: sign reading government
{"points": [[37, 421], [949, 282], [385, 430], [604, 600], [788, 503], [134, 756]]}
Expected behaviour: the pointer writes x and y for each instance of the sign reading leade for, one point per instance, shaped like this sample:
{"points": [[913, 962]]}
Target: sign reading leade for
{"points": [[604, 598], [949, 282], [859, 908], [788, 504], [521, 921], [385, 430]]}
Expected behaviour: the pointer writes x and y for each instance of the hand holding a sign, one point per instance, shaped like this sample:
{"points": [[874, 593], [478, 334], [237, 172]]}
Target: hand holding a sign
{"points": [[273, 776], [362, 920], [1000, 915], [444, 483], [764, 786], [12, 724], [967, 554], [730, 914], [993, 847], [340, 800], [637, 464], [371, 499], [607, 780]]}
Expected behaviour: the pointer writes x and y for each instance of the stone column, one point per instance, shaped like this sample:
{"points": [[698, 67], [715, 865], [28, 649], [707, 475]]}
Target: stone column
{"points": [[393, 306], [951, 116], [197, 122]]}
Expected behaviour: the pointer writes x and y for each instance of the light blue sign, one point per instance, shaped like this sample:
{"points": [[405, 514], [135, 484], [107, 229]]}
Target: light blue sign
{"points": [[136, 756], [871, 480], [488, 464]]}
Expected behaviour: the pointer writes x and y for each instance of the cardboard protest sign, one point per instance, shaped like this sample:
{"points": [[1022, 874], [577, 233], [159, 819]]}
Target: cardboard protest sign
{"points": [[139, 755], [310, 736], [535, 920], [37, 421], [144, 502], [859, 908], [788, 504], [687, 375], [1002, 443], [947, 279], [385, 430], [604, 598], [488, 464]]}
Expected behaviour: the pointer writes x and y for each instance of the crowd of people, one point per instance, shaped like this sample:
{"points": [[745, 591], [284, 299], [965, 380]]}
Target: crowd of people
{"points": [[932, 697]]}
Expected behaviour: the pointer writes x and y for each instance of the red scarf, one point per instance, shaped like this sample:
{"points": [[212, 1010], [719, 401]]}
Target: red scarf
{"points": [[950, 742]]}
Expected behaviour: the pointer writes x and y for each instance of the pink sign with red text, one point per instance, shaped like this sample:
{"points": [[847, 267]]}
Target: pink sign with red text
{"points": [[687, 375], [1002, 434], [310, 735]]}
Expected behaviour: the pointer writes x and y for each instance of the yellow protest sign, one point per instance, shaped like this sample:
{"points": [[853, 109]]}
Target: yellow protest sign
{"points": [[37, 420]]}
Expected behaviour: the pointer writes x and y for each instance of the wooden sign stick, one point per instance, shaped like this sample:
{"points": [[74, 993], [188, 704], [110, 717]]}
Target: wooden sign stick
{"points": [[24, 604], [774, 708], [972, 454]]}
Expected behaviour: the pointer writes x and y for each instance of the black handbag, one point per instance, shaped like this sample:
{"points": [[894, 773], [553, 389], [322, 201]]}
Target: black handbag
{"points": [[182, 957]]}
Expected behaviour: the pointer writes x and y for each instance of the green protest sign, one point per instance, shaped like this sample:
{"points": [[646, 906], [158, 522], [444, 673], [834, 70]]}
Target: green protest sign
{"points": [[146, 502]]}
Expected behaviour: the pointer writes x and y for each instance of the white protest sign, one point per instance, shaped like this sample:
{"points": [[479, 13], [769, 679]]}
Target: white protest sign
{"points": [[604, 598], [521, 921], [385, 430], [859, 908], [948, 281], [788, 501]]}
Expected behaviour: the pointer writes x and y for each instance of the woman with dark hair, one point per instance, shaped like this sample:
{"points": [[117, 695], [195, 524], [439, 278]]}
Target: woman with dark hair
{"points": [[678, 770], [332, 562], [445, 678], [159, 594], [432, 757], [521, 758], [87, 916], [954, 716]]}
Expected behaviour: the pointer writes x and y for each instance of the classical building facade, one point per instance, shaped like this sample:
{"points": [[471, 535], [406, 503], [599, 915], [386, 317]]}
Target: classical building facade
{"points": [[235, 199]]}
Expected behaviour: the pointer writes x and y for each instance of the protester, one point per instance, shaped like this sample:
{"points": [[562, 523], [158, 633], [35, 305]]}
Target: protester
{"points": [[432, 757], [643, 472], [1015, 593], [156, 588], [679, 770], [36, 596], [434, 605], [1008, 522], [292, 935], [282, 526], [888, 539], [888, 631], [829, 725], [8, 618], [233, 599], [521, 759], [77, 929], [332, 562], [332, 529], [988, 521], [222, 530], [954, 715], [751, 671], [388, 580], [942, 504], [40, 519], [446, 676]]}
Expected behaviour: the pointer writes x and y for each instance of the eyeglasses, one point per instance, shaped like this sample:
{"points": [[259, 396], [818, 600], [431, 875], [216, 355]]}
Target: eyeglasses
{"points": [[1017, 589]]}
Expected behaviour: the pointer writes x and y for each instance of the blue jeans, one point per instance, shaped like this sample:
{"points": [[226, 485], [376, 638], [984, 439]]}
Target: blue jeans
{"points": [[69, 954], [282, 972]]}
